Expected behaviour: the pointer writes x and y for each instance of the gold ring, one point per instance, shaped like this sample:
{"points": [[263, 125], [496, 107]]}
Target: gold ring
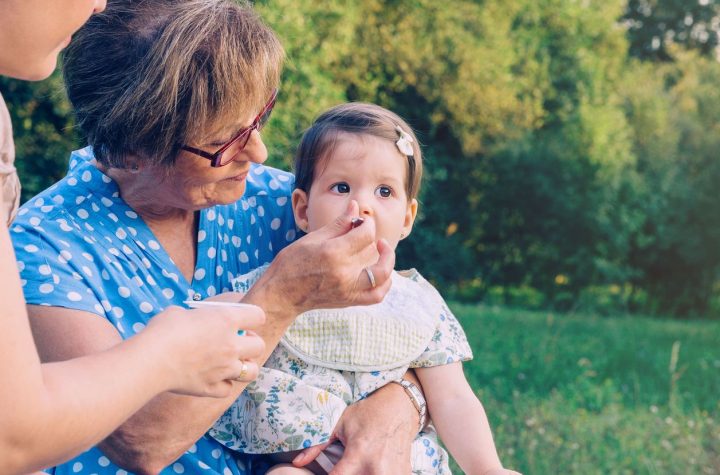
{"points": [[371, 277], [243, 372]]}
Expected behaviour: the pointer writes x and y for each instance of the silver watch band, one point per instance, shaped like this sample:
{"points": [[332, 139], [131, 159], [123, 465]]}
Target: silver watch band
{"points": [[417, 399]]}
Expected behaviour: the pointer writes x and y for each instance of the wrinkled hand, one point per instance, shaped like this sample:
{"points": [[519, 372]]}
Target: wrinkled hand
{"points": [[326, 268], [202, 350], [377, 433]]}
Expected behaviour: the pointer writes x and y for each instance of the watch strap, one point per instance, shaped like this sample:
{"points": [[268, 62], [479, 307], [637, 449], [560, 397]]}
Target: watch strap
{"points": [[417, 399]]}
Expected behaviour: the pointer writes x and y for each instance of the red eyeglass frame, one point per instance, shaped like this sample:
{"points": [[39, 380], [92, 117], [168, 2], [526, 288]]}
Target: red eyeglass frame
{"points": [[243, 134]]}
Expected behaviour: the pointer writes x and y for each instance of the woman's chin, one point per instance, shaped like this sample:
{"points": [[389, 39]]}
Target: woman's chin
{"points": [[233, 193], [33, 71]]}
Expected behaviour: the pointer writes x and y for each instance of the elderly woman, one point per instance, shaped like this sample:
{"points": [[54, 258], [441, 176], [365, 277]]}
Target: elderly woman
{"points": [[51, 412], [170, 201]]}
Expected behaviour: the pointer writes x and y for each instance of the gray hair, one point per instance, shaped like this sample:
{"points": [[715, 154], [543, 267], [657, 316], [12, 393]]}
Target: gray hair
{"points": [[148, 76]]}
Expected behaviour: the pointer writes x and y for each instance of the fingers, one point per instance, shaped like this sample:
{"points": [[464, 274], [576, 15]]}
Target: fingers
{"points": [[341, 224], [250, 346], [245, 371], [311, 453], [220, 390], [386, 261], [353, 462], [375, 280], [243, 316]]}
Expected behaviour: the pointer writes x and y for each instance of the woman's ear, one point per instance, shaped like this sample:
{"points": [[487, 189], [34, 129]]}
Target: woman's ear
{"points": [[299, 205], [410, 215]]}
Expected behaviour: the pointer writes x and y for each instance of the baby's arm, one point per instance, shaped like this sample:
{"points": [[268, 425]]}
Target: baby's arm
{"points": [[459, 418]]}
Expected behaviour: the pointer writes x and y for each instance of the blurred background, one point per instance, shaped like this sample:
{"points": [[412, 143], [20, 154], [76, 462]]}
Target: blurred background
{"points": [[570, 209]]}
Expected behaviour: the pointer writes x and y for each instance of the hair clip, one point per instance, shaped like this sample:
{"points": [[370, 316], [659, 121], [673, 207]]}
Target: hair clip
{"points": [[404, 143]]}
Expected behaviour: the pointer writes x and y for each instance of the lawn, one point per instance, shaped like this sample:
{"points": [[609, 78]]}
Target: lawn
{"points": [[593, 395]]}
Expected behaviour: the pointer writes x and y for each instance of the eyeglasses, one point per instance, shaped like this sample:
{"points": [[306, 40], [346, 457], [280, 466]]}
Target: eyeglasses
{"points": [[231, 150]]}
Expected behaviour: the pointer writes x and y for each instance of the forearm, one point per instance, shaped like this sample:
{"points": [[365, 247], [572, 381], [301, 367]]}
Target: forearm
{"points": [[464, 428], [461, 422], [48, 409], [156, 436], [44, 419], [163, 430], [402, 417], [272, 293]]}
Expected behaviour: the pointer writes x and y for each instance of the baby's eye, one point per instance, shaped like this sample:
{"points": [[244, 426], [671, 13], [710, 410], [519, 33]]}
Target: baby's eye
{"points": [[384, 191], [341, 188]]}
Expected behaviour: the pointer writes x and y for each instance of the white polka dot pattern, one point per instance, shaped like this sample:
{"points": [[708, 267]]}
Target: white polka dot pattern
{"points": [[80, 246]]}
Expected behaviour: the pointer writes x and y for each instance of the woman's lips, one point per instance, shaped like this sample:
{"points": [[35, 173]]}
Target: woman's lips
{"points": [[240, 177]]}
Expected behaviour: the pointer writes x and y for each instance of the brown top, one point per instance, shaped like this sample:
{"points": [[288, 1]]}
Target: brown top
{"points": [[9, 182]]}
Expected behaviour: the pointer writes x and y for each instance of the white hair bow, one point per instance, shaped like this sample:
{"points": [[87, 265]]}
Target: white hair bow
{"points": [[404, 143]]}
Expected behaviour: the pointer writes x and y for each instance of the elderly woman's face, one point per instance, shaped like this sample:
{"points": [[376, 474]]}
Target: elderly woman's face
{"points": [[193, 184]]}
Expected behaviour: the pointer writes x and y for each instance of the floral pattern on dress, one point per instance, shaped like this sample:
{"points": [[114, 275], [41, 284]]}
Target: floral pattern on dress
{"points": [[293, 404]]}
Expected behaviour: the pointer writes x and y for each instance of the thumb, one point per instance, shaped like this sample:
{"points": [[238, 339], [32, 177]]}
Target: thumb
{"points": [[311, 453], [341, 224], [387, 254]]}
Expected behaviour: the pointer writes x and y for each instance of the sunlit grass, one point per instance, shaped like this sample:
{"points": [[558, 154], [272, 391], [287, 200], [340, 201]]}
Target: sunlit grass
{"points": [[588, 395]]}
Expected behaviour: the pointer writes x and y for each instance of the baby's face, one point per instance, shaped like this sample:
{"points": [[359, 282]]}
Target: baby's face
{"points": [[366, 169]]}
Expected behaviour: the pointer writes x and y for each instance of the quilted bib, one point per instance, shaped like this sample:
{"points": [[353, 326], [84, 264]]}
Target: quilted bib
{"points": [[369, 338]]}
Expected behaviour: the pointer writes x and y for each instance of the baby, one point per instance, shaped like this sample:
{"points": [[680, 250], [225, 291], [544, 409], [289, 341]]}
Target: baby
{"points": [[329, 359]]}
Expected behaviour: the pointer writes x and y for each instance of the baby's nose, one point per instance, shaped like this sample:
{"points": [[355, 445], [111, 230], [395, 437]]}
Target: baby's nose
{"points": [[365, 210]]}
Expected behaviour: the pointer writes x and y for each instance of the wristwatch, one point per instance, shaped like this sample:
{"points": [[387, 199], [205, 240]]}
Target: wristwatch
{"points": [[417, 399]]}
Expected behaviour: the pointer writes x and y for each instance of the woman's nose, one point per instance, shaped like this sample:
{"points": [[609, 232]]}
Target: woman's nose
{"points": [[256, 148]]}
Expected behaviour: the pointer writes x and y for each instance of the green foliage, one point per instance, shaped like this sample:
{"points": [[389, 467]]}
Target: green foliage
{"points": [[42, 129], [655, 25], [557, 167], [675, 116], [582, 394]]}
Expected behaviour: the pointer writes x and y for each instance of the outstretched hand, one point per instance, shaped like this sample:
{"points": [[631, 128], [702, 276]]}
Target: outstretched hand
{"points": [[202, 348], [334, 266]]}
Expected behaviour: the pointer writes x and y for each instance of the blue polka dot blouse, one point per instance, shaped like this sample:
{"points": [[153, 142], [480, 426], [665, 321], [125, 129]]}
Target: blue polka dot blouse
{"points": [[80, 246]]}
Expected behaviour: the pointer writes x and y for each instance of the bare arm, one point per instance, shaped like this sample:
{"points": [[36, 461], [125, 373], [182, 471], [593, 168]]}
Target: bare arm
{"points": [[63, 333], [459, 418], [46, 407], [323, 269]]}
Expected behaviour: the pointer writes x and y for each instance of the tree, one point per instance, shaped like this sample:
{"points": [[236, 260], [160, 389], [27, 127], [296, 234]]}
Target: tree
{"points": [[654, 24], [42, 129], [675, 116]]}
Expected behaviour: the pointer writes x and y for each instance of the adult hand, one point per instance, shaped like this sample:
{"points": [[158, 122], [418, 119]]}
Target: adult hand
{"points": [[377, 434], [328, 268], [202, 349]]}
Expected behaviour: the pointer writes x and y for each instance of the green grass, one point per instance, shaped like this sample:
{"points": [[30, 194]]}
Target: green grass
{"points": [[590, 395]]}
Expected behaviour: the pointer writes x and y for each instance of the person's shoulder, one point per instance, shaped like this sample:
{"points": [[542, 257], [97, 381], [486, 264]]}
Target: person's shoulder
{"points": [[60, 198], [268, 181], [412, 281]]}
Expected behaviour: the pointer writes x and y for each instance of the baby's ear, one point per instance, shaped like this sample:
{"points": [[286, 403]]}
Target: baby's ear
{"points": [[300, 204], [410, 215]]}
